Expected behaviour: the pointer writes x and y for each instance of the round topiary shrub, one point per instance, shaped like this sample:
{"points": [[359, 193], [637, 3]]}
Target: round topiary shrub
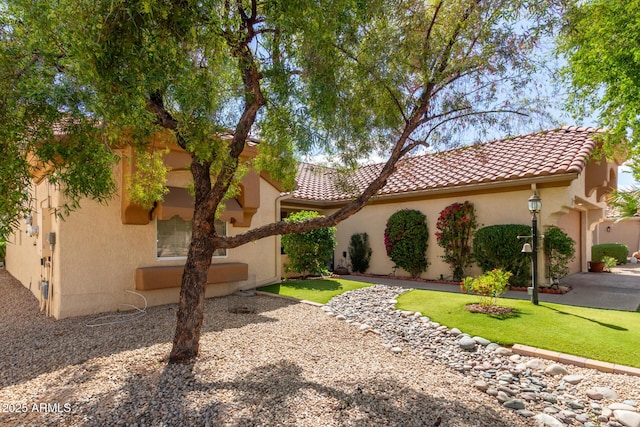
{"points": [[312, 251], [405, 238], [360, 252], [498, 247]]}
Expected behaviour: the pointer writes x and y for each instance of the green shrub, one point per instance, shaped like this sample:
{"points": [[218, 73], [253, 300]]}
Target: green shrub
{"points": [[609, 262], [498, 247], [311, 251], [360, 252], [405, 238], [619, 251], [3, 250], [490, 286], [456, 225], [559, 249]]}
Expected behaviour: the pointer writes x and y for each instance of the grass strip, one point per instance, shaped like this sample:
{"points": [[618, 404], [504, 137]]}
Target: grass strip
{"points": [[605, 335], [316, 290]]}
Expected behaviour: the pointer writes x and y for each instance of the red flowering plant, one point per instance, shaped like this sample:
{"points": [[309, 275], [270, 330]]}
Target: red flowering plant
{"points": [[456, 225]]}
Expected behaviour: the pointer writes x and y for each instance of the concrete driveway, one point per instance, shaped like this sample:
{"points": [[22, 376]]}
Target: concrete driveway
{"points": [[619, 290]]}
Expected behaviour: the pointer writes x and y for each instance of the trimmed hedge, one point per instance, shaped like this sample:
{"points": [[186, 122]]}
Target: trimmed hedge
{"points": [[619, 251], [498, 247]]}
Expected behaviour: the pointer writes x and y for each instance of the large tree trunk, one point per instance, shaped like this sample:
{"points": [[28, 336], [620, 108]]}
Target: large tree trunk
{"points": [[186, 341], [192, 292]]}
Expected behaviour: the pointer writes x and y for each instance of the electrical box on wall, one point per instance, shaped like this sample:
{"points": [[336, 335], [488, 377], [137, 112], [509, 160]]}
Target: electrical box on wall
{"points": [[51, 238], [33, 230]]}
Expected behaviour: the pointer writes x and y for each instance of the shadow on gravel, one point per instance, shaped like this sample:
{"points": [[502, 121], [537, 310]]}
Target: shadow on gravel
{"points": [[33, 344], [273, 394]]}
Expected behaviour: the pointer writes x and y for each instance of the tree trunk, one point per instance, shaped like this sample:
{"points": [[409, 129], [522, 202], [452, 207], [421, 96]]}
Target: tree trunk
{"points": [[186, 341], [190, 314]]}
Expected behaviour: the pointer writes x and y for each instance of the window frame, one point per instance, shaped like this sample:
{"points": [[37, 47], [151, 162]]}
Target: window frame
{"points": [[184, 257]]}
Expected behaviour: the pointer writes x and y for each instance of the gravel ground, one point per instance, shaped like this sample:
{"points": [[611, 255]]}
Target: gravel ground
{"points": [[286, 364]]}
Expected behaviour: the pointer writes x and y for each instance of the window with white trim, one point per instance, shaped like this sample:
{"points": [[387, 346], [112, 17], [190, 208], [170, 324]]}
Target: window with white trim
{"points": [[174, 236]]}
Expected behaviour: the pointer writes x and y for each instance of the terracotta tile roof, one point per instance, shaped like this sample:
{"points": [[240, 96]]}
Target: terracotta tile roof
{"points": [[554, 152]]}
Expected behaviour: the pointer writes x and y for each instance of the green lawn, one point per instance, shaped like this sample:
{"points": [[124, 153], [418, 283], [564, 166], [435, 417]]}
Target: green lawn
{"points": [[606, 335], [317, 290]]}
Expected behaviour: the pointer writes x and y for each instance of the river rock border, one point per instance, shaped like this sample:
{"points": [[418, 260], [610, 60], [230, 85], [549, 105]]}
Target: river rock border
{"points": [[551, 393]]}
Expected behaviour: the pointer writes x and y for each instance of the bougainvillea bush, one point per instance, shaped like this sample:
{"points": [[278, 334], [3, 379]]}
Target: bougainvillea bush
{"points": [[456, 225], [405, 238]]}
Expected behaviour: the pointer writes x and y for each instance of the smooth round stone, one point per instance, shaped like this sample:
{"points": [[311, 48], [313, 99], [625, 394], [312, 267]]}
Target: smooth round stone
{"points": [[491, 347], [548, 397], [396, 349], [455, 332], [556, 369], [535, 364], [621, 407], [515, 358], [514, 404], [574, 404], [481, 385], [573, 379], [627, 418], [503, 397], [503, 351], [525, 413], [467, 343], [341, 317], [492, 391], [599, 393], [482, 341], [547, 420]]}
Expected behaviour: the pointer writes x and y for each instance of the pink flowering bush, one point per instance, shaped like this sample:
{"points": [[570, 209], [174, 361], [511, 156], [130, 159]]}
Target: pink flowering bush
{"points": [[456, 225], [490, 286]]}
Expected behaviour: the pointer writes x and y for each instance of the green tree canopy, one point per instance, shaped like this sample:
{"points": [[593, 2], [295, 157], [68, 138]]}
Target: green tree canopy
{"points": [[79, 78], [601, 42]]}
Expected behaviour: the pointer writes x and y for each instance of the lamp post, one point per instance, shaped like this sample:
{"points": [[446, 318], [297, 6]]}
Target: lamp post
{"points": [[535, 204]]}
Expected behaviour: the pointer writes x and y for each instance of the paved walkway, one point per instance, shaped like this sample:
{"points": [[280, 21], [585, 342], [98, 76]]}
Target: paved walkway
{"points": [[619, 290]]}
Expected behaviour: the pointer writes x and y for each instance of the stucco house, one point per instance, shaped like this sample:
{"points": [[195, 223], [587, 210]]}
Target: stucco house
{"points": [[105, 258], [498, 177], [108, 257]]}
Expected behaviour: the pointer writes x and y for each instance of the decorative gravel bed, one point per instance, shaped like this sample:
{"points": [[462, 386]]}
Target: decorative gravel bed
{"points": [[547, 393], [287, 364]]}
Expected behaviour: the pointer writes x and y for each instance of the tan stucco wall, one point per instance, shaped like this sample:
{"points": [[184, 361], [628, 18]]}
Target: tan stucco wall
{"points": [[493, 206], [25, 252], [96, 256], [626, 231]]}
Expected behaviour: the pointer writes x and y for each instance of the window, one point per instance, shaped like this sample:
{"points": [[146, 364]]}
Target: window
{"points": [[174, 236]]}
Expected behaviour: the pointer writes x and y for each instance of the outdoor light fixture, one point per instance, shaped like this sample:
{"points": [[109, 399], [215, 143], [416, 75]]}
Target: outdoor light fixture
{"points": [[526, 248], [535, 204]]}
